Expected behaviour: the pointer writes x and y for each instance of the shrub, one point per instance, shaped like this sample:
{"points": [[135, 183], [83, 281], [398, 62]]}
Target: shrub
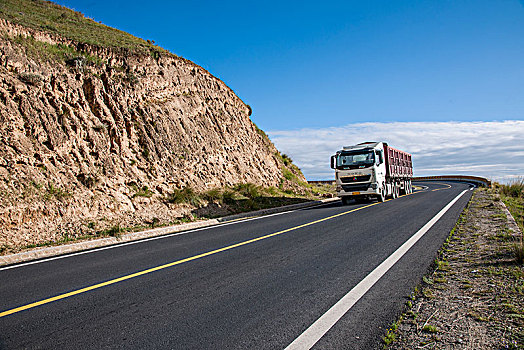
{"points": [[286, 159], [228, 196], [30, 78], [185, 195], [248, 190], [214, 195], [514, 189], [272, 191], [115, 231], [288, 174]]}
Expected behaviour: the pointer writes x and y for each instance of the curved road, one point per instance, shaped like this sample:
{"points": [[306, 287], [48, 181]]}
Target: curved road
{"points": [[253, 284]]}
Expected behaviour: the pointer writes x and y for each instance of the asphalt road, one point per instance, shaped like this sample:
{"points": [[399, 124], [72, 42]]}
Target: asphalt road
{"points": [[251, 284]]}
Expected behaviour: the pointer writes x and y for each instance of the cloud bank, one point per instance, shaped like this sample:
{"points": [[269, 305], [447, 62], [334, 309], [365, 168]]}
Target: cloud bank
{"points": [[490, 149]]}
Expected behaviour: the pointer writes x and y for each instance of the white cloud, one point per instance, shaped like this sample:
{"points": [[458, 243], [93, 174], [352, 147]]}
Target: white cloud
{"points": [[490, 149]]}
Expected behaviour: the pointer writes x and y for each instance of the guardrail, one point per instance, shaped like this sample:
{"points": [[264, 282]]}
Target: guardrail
{"points": [[463, 178]]}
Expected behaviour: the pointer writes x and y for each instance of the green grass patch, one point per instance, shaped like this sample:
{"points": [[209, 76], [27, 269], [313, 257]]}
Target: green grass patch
{"points": [[54, 53], [248, 190], [114, 231], [49, 17], [185, 195], [143, 191], [430, 329], [442, 265], [52, 191], [288, 175], [390, 337], [513, 197]]}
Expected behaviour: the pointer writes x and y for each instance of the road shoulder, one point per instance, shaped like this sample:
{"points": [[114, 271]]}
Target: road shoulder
{"points": [[474, 298]]}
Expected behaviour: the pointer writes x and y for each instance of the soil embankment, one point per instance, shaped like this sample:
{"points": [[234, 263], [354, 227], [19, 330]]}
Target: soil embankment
{"points": [[93, 136]]}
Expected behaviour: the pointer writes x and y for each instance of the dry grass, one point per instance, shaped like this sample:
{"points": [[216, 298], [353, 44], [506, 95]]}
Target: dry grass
{"points": [[513, 197]]}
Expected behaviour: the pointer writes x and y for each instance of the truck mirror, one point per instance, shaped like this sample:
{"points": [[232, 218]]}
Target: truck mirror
{"points": [[333, 162]]}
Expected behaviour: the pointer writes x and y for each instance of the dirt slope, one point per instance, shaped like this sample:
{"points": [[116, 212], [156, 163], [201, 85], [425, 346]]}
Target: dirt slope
{"points": [[91, 136]]}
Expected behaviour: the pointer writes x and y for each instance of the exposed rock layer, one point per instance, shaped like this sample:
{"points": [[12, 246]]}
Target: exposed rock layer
{"points": [[78, 140]]}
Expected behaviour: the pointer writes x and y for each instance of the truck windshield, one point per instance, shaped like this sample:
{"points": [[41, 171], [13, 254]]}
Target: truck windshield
{"points": [[355, 159]]}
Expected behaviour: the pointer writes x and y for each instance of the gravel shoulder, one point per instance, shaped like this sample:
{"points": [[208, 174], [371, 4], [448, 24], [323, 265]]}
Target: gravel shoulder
{"points": [[474, 297]]}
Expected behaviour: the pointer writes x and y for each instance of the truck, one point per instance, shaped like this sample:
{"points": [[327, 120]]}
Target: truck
{"points": [[372, 170]]}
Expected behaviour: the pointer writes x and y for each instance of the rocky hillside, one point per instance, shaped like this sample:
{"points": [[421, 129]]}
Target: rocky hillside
{"points": [[97, 134]]}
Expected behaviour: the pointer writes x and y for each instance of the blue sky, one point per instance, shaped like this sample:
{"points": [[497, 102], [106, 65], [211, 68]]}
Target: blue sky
{"points": [[316, 65]]}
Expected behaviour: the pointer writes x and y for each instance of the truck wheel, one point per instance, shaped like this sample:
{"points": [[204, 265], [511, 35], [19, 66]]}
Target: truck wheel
{"points": [[345, 200]]}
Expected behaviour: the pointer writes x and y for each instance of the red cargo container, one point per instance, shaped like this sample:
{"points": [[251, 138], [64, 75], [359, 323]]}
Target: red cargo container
{"points": [[398, 163]]}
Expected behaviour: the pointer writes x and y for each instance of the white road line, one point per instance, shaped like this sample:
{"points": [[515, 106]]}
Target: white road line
{"points": [[118, 245], [320, 327]]}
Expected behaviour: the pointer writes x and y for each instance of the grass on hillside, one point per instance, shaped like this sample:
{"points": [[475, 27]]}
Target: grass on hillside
{"points": [[53, 53], [49, 17], [244, 197]]}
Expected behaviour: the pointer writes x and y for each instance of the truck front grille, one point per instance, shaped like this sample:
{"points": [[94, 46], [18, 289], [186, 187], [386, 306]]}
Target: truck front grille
{"points": [[355, 187], [350, 179]]}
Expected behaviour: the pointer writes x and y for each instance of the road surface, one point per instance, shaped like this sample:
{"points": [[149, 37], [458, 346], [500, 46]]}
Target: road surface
{"points": [[258, 283]]}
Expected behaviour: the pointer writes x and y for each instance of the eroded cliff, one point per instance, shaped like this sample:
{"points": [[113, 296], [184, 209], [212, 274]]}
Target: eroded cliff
{"points": [[91, 136]]}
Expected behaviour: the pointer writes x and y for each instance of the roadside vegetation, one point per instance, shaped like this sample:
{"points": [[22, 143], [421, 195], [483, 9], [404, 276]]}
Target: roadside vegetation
{"points": [[513, 197], [473, 298], [245, 197]]}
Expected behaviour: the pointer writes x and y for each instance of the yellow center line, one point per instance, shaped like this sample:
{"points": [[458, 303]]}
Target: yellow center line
{"points": [[174, 263], [444, 188]]}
